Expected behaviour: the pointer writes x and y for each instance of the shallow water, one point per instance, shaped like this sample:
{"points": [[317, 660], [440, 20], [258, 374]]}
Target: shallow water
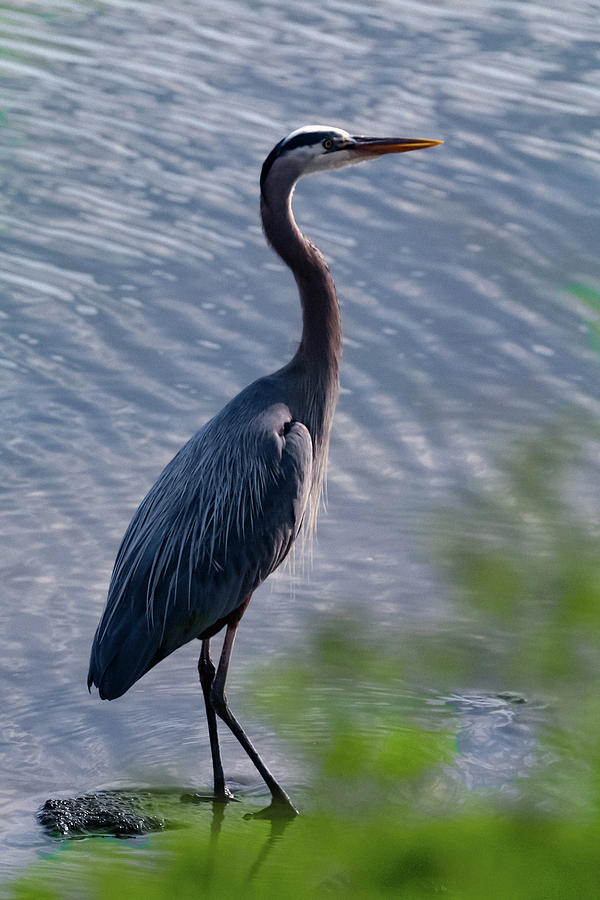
{"points": [[137, 296]]}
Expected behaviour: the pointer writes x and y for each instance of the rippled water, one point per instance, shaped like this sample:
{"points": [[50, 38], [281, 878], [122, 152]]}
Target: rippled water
{"points": [[138, 295]]}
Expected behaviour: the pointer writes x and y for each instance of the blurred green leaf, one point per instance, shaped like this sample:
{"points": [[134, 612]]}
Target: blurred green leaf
{"points": [[591, 298], [585, 293]]}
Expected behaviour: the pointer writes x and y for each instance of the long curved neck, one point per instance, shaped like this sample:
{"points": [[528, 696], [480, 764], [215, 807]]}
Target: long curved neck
{"points": [[321, 344], [313, 372]]}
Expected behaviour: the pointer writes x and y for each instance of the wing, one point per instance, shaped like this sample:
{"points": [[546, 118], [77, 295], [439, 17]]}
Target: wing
{"points": [[221, 517]]}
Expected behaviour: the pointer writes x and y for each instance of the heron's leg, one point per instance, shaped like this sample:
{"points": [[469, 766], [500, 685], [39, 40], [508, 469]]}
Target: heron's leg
{"points": [[206, 671], [221, 707]]}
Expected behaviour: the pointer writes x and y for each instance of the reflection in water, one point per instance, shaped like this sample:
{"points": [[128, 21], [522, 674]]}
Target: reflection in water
{"points": [[137, 297], [272, 813], [216, 824], [276, 832]]}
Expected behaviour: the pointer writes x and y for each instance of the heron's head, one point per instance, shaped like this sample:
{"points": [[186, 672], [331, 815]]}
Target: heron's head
{"points": [[315, 148]]}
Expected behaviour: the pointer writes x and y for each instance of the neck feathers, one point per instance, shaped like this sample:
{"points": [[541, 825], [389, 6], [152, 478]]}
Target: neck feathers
{"points": [[321, 343], [314, 368]]}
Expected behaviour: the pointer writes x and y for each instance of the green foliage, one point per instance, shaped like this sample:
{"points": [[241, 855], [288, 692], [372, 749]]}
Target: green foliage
{"points": [[591, 299], [468, 856], [382, 822], [528, 562]]}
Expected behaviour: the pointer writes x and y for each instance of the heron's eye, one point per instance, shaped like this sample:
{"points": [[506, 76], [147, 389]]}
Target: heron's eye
{"points": [[328, 143]]}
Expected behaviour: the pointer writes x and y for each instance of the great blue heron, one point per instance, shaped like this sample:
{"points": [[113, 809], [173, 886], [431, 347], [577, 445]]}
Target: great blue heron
{"points": [[226, 510]]}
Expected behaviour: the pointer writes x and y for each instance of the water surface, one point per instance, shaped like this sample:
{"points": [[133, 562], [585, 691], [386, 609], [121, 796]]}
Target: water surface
{"points": [[137, 296]]}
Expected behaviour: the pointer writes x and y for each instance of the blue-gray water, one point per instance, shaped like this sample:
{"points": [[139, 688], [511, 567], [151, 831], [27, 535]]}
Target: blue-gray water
{"points": [[137, 296]]}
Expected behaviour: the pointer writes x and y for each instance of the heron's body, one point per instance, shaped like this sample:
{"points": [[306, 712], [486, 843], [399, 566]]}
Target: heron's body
{"points": [[226, 510], [184, 567]]}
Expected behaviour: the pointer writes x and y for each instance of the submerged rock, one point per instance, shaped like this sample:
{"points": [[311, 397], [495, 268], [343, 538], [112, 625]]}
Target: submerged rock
{"points": [[114, 813]]}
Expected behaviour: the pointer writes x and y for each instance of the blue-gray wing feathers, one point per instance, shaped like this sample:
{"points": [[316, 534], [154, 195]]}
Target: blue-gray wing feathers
{"points": [[220, 518]]}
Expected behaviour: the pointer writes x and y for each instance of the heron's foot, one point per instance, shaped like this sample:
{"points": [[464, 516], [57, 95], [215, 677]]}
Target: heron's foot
{"points": [[276, 811], [281, 802], [223, 795]]}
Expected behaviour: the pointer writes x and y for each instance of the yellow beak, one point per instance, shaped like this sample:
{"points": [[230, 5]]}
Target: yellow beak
{"points": [[367, 146]]}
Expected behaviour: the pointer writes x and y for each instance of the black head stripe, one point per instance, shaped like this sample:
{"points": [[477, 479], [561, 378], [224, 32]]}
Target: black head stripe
{"points": [[304, 139], [275, 152]]}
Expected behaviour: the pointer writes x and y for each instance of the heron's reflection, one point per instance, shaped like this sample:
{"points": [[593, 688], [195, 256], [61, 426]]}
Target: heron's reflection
{"points": [[275, 813]]}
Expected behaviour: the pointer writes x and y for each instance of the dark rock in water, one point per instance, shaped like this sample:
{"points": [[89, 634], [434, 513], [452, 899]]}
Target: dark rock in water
{"points": [[511, 697], [108, 812]]}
